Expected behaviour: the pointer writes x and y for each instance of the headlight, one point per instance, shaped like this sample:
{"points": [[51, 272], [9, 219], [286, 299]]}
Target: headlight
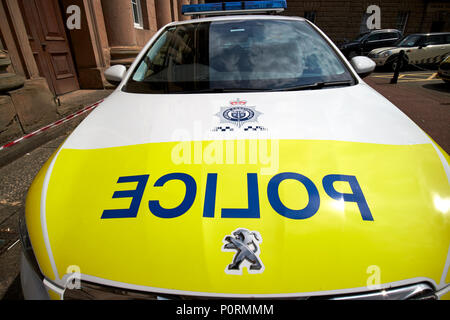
{"points": [[27, 248], [386, 54]]}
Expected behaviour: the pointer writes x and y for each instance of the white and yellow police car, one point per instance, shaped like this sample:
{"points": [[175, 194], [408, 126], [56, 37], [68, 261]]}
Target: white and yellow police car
{"points": [[241, 156]]}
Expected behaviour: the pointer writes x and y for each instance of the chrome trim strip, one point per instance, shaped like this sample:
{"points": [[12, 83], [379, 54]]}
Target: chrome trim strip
{"points": [[446, 269], [391, 294], [54, 287], [440, 293], [122, 285]]}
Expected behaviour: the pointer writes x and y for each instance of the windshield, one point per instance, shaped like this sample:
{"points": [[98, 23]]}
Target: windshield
{"points": [[410, 41], [236, 55]]}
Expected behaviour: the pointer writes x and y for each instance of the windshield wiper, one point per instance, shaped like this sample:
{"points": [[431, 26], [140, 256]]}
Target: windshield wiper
{"points": [[317, 85], [223, 90]]}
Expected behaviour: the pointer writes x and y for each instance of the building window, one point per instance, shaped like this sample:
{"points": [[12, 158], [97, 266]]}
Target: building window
{"points": [[137, 14], [311, 16], [402, 20]]}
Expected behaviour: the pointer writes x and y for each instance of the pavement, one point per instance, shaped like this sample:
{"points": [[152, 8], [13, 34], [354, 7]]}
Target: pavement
{"points": [[423, 97], [426, 101], [18, 167], [411, 76]]}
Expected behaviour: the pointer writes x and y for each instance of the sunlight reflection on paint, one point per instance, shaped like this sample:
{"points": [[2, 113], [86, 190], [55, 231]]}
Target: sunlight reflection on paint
{"points": [[441, 204], [339, 205]]}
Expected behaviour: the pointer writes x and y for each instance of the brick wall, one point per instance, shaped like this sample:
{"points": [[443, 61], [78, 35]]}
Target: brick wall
{"points": [[341, 19]]}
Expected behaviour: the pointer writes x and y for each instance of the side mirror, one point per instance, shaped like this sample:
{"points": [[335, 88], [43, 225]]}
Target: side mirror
{"points": [[363, 65], [115, 74], [422, 46]]}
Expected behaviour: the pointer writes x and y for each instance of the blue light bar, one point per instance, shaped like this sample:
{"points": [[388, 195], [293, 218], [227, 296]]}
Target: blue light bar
{"points": [[234, 7], [206, 7], [265, 4]]}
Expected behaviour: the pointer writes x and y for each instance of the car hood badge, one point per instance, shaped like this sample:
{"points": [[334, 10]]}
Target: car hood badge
{"points": [[245, 244], [238, 113]]}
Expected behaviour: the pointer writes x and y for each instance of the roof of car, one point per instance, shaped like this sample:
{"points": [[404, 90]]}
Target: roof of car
{"points": [[429, 34], [384, 30], [236, 17]]}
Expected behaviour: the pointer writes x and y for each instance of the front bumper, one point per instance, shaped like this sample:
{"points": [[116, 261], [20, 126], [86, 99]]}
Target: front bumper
{"points": [[379, 61], [34, 288], [32, 285]]}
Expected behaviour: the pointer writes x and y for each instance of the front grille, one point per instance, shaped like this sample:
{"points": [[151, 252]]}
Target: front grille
{"points": [[93, 291]]}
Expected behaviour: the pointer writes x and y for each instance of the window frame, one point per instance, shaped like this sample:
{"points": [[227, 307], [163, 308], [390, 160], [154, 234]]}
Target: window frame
{"points": [[140, 23], [438, 36]]}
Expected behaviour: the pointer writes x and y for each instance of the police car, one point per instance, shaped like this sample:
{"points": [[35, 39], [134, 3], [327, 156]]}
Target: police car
{"points": [[420, 49], [241, 156]]}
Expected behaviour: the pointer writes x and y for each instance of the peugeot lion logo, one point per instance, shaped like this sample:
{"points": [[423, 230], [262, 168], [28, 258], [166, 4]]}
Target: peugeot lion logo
{"points": [[246, 244]]}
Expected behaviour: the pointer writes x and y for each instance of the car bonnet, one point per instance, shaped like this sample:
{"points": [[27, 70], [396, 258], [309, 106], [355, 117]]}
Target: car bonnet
{"points": [[316, 240]]}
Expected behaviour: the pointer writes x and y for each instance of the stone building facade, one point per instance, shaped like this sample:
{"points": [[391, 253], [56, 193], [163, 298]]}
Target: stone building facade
{"points": [[52, 59], [43, 58]]}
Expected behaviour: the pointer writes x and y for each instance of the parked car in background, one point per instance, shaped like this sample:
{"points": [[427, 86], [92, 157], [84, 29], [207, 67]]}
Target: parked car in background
{"points": [[420, 49], [444, 69], [366, 42]]}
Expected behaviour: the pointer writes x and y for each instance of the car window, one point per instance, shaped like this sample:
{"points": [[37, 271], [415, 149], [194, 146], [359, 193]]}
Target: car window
{"points": [[254, 54], [434, 40], [388, 35], [362, 37], [410, 41], [447, 39], [374, 37]]}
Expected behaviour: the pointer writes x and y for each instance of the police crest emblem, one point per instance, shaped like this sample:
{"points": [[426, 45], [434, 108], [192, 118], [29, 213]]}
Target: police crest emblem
{"points": [[238, 114]]}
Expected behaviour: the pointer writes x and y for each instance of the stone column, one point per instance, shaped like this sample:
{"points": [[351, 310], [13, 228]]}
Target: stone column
{"points": [[8, 81], [181, 16], [120, 30], [89, 43], [25, 104], [9, 124], [7, 35], [23, 45], [163, 12], [175, 10]]}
